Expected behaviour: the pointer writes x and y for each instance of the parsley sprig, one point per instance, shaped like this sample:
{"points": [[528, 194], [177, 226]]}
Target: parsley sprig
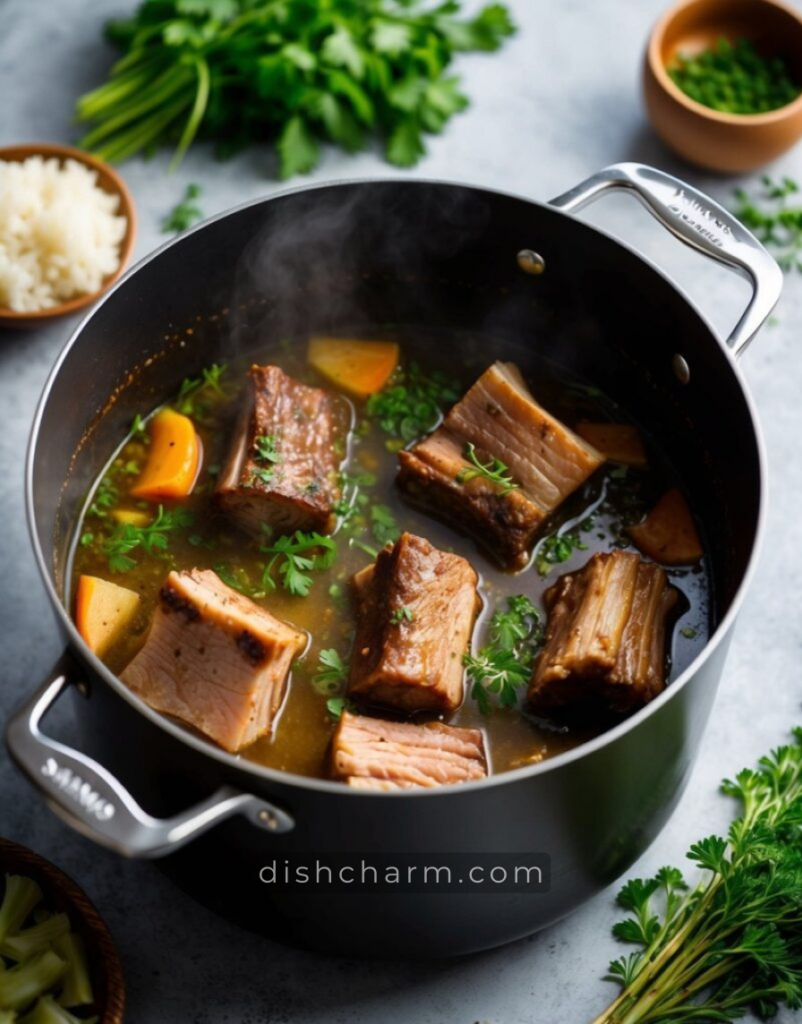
{"points": [[184, 214], [294, 557], [152, 539], [518, 628], [329, 680], [556, 549], [494, 471], [336, 705], [105, 498], [242, 71], [265, 451], [732, 942], [412, 405], [775, 219], [195, 393], [504, 664], [331, 674]]}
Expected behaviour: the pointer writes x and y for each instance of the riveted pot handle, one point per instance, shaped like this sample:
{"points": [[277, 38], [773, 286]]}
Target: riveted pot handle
{"points": [[698, 222], [90, 799]]}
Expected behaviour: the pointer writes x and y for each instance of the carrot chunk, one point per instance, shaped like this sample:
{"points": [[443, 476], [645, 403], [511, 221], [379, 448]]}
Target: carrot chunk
{"points": [[173, 459], [618, 442], [668, 533], [102, 611], [357, 367]]}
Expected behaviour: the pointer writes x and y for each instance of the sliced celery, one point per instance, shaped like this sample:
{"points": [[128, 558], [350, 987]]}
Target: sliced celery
{"points": [[20, 985], [33, 940], [20, 897], [76, 986], [48, 1011]]}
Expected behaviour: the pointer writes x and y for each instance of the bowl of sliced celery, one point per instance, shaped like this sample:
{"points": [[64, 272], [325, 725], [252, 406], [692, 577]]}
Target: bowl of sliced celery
{"points": [[58, 961]]}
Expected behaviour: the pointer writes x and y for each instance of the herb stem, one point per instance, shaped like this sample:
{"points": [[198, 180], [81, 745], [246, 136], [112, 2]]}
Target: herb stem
{"points": [[155, 95], [196, 115]]}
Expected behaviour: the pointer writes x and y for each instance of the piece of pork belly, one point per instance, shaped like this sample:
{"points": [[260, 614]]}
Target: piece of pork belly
{"points": [[282, 467], [416, 608], [371, 753], [545, 461], [605, 636], [214, 659]]}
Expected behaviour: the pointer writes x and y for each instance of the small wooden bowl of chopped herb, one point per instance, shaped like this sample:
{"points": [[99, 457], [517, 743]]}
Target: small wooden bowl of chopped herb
{"points": [[67, 230], [723, 81], [59, 957]]}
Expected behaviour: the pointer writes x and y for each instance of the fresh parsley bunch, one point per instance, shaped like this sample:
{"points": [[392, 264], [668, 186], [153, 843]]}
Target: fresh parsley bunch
{"points": [[296, 71], [733, 942]]}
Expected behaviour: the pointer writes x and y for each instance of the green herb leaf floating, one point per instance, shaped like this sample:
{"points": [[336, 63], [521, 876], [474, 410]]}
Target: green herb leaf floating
{"points": [[331, 675], [411, 405], [295, 557], [196, 393], [152, 538], [733, 942], [504, 664], [299, 72], [734, 78], [558, 548]]}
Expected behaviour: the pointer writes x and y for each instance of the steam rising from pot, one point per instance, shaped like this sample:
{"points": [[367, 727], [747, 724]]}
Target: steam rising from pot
{"points": [[349, 258]]}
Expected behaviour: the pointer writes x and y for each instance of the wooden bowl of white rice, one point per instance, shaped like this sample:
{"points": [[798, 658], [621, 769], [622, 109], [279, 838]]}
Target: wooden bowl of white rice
{"points": [[67, 228]]}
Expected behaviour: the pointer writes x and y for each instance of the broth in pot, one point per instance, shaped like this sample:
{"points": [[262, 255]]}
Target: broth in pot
{"points": [[341, 558]]}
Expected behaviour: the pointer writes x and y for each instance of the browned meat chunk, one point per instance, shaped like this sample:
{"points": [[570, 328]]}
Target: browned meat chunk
{"points": [[214, 659], [370, 753], [282, 466], [606, 635], [501, 420], [416, 608]]}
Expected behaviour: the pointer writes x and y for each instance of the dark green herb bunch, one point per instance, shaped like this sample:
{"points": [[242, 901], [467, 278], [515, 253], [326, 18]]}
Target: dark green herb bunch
{"points": [[294, 71], [733, 942]]}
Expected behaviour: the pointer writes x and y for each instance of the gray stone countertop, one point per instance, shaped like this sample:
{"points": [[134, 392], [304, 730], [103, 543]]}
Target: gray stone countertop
{"points": [[561, 101]]}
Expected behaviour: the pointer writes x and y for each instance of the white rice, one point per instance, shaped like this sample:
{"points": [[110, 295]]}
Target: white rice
{"points": [[59, 233]]}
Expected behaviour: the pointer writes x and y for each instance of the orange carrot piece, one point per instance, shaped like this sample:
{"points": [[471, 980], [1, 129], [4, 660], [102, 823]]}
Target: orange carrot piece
{"points": [[102, 611], [174, 458], [618, 442], [360, 368], [668, 533]]}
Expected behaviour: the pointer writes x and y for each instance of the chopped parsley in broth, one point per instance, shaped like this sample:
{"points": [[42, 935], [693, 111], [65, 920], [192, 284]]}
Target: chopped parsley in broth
{"points": [[133, 535]]}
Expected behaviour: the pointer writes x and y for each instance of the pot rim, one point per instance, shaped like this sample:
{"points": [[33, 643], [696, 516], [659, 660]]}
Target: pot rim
{"points": [[289, 779]]}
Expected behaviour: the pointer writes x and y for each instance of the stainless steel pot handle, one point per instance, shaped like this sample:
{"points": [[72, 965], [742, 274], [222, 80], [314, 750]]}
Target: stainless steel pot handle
{"points": [[698, 222], [90, 799]]}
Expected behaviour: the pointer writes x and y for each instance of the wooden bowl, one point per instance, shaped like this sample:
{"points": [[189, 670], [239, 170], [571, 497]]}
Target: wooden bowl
{"points": [[107, 179], [709, 138], [62, 894]]}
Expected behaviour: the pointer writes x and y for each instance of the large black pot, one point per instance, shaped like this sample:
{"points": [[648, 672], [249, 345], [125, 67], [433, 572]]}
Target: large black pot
{"points": [[404, 252]]}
